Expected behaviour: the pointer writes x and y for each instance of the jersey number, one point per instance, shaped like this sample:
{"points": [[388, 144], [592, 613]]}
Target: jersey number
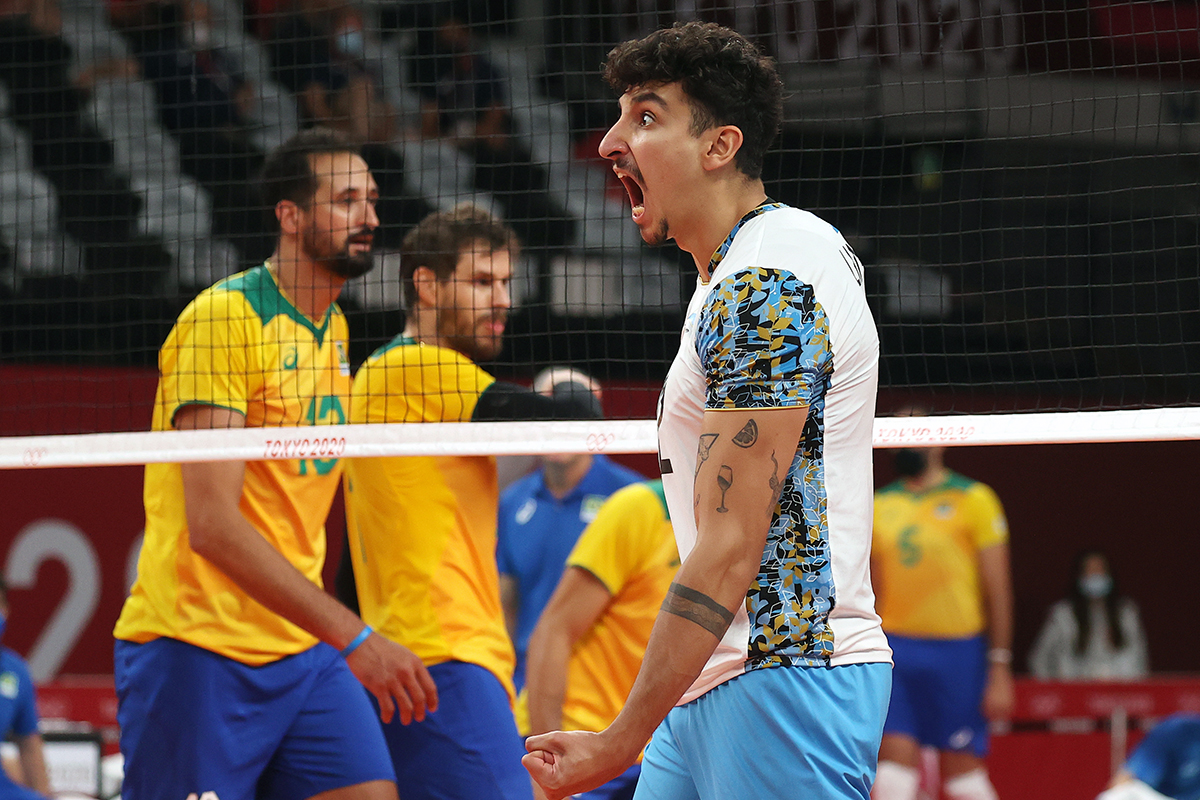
{"points": [[323, 410], [910, 551]]}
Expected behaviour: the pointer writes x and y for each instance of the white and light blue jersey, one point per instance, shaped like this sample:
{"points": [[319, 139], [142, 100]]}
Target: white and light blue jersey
{"points": [[783, 321]]}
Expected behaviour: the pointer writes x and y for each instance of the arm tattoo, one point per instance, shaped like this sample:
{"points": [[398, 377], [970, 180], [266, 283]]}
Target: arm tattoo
{"points": [[776, 486], [704, 449], [747, 436], [697, 607], [724, 480]]}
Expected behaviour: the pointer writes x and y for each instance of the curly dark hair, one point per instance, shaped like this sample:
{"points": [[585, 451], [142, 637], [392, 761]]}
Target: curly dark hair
{"points": [[438, 240], [288, 172], [726, 78]]}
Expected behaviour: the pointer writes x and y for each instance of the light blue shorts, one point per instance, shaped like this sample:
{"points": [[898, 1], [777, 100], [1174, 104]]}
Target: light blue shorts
{"points": [[783, 732]]}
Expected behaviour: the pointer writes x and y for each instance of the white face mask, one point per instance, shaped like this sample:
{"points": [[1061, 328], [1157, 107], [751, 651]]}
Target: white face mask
{"points": [[352, 42], [199, 35], [1095, 587]]}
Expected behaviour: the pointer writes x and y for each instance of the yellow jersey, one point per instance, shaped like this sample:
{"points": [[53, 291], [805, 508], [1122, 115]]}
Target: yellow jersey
{"points": [[422, 529], [925, 556], [630, 548], [243, 345]]}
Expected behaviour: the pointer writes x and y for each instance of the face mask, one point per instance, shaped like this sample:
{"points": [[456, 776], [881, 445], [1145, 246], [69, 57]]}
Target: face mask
{"points": [[911, 463], [351, 43], [199, 36], [1095, 587]]}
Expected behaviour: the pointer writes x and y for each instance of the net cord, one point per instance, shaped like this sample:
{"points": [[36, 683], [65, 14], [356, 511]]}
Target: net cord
{"points": [[540, 438]]}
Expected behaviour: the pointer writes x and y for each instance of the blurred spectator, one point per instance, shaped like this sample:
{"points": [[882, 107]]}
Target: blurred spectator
{"points": [[542, 515], [940, 565], [206, 103], [579, 34], [319, 53], [1095, 634], [463, 101], [19, 719], [1164, 766]]}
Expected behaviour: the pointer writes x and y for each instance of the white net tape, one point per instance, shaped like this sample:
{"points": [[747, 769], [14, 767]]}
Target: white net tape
{"points": [[536, 438]]}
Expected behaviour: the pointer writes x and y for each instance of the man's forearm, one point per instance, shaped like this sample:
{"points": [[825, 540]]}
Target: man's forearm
{"points": [[546, 679], [33, 763], [219, 532], [708, 589], [997, 589], [266, 575], [742, 461]]}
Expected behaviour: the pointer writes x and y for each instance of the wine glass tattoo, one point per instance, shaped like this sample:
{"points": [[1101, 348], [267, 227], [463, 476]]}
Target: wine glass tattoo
{"points": [[724, 480]]}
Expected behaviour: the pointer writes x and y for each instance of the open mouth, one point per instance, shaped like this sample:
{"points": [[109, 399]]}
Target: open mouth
{"points": [[637, 197]]}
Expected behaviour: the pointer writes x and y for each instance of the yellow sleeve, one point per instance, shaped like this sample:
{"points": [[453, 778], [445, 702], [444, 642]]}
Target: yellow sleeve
{"points": [[989, 526], [622, 538], [206, 359], [416, 383]]}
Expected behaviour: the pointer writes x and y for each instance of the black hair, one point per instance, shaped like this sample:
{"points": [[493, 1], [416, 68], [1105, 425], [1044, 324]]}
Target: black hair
{"points": [[727, 80], [1081, 605], [288, 172]]}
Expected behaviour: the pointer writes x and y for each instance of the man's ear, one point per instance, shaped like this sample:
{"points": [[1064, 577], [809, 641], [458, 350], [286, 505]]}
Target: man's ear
{"points": [[426, 283], [289, 215], [724, 144]]}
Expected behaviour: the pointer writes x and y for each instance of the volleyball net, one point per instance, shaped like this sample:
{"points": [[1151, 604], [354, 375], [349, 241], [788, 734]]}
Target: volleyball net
{"points": [[1019, 182]]}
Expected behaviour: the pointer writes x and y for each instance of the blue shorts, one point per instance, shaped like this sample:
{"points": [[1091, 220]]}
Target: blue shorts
{"points": [[193, 722], [777, 732], [468, 748], [15, 791], [619, 788], [937, 691]]}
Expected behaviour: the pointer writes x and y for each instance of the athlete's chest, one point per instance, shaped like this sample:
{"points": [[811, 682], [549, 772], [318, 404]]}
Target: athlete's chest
{"points": [[303, 379]]}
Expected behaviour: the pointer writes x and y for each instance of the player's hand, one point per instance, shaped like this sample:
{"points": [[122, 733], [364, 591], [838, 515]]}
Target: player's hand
{"points": [[999, 696], [567, 763], [393, 673]]}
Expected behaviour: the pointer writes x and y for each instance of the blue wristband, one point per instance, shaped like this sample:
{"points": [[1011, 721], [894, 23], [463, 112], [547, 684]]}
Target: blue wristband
{"points": [[357, 640]]}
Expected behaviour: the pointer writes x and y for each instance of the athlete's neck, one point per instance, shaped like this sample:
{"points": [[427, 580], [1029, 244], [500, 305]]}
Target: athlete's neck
{"points": [[422, 327], [310, 286], [561, 477], [727, 202], [933, 476]]}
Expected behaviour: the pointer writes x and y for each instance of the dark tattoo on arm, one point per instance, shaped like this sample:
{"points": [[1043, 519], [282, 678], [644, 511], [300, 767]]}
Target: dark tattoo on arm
{"points": [[724, 480], [776, 485], [699, 608], [704, 449], [748, 435]]}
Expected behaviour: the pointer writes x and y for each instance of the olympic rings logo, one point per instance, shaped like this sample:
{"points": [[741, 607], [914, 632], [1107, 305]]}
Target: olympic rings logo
{"points": [[599, 442]]}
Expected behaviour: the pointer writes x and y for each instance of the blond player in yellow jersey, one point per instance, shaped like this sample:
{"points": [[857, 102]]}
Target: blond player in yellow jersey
{"points": [[588, 644], [422, 530], [235, 671], [941, 571]]}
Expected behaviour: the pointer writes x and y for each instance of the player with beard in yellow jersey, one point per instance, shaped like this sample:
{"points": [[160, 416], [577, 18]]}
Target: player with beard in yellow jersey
{"points": [[422, 530], [235, 671], [941, 570]]}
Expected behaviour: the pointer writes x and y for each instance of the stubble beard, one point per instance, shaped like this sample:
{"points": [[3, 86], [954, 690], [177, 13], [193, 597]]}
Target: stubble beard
{"points": [[474, 346], [336, 262], [659, 235]]}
